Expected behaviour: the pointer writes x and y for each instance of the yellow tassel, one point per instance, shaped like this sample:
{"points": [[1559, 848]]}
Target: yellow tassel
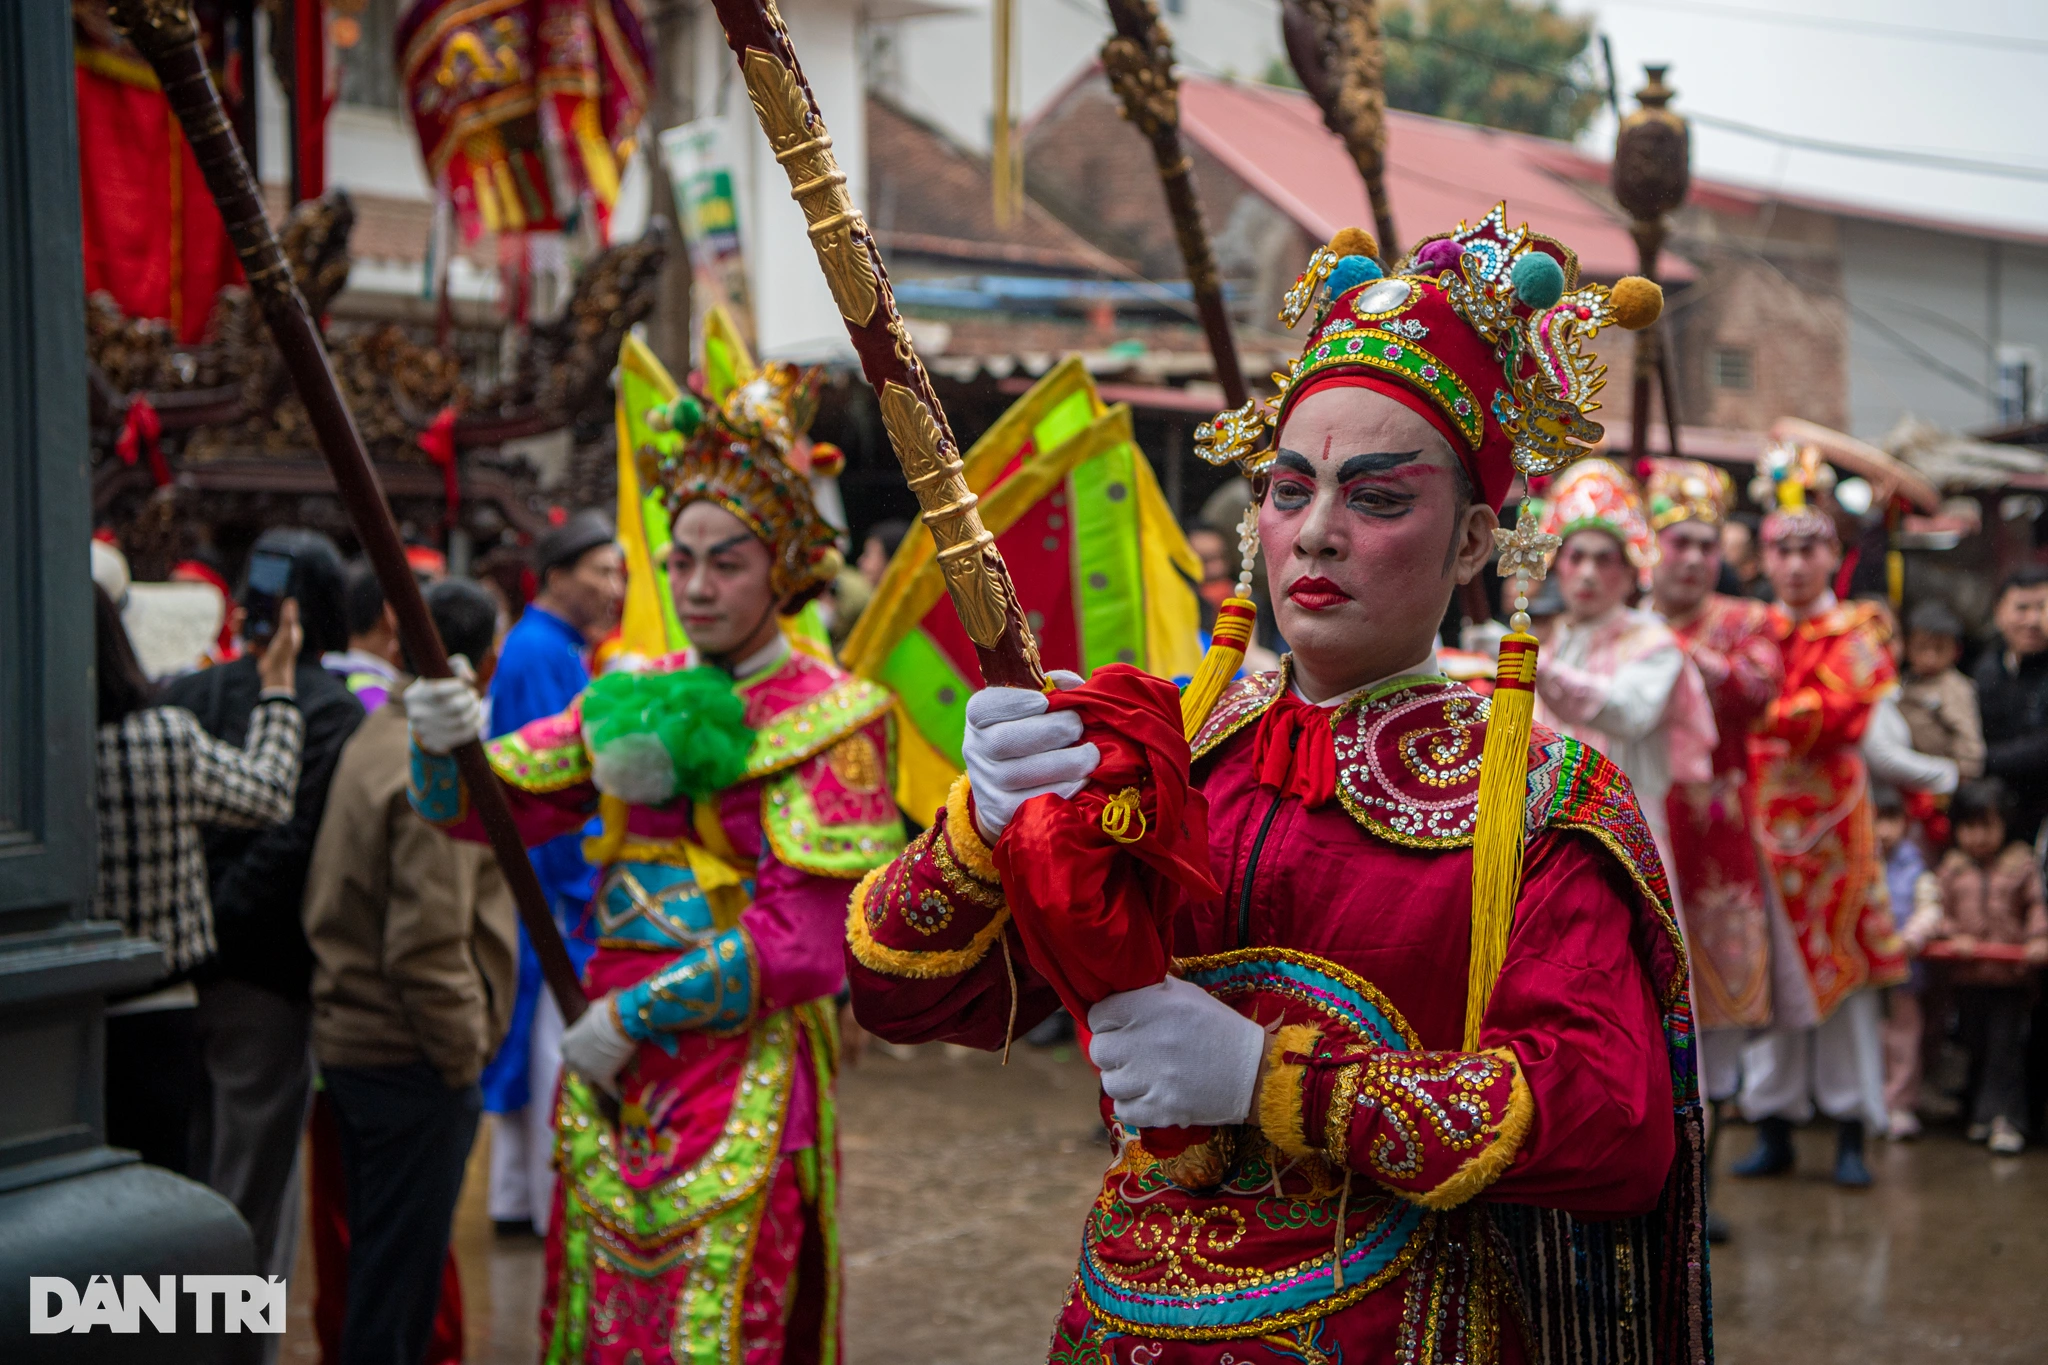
{"points": [[1234, 622], [1497, 837]]}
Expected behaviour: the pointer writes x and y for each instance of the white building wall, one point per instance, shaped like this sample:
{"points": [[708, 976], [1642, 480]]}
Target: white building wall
{"points": [[941, 68], [1930, 315], [794, 316]]}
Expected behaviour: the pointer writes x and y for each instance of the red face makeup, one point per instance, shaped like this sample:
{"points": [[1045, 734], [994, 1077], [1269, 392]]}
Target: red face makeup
{"points": [[1358, 532]]}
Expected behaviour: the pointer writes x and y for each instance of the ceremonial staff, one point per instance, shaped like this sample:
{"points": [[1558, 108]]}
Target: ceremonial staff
{"points": [[1334, 46], [1139, 62], [164, 32], [975, 575]]}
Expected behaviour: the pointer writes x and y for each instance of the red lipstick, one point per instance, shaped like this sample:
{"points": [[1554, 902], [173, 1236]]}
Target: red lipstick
{"points": [[1316, 594]]}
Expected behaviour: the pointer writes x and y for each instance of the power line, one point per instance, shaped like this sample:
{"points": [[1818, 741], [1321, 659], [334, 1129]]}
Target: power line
{"points": [[1901, 155], [1924, 33]]}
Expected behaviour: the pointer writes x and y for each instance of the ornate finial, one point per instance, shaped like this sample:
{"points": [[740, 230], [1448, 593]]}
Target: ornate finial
{"points": [[1525, 554]]}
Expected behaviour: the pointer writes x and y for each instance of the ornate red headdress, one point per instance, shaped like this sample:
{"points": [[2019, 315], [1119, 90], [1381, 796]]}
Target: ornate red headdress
{"points": [[1481, 330], [1595, 495]]}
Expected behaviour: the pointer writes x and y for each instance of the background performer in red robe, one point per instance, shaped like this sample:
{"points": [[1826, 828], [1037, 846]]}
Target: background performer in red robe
{"points": [[1745, 963], [1380, 1186], [1814, 821]]}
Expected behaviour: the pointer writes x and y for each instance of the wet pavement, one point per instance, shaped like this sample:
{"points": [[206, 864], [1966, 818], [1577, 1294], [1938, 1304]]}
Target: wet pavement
{"points": [[965, 1184]]}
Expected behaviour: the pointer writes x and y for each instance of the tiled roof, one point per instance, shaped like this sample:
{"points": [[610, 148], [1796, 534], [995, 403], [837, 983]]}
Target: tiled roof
{"points": [[928, 196], [1438, 173]]}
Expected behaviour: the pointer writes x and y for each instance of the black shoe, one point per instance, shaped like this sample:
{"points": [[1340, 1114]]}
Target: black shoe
{"points": [[507, 1228], [1772, 1154], [1717, 1229], [1850, 1172]]}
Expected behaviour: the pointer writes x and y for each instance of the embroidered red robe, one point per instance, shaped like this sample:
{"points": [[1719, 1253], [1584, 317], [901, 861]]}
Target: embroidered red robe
{"points": [[1813, 799], [1385, 1205], [1715, 859]]}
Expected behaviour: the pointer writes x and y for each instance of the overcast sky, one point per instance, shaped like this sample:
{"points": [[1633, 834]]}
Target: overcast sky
{"points": [[1751, 61]]}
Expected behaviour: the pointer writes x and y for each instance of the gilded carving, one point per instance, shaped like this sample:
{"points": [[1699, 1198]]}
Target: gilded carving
{"points": [[815, 182], [935, 475]]}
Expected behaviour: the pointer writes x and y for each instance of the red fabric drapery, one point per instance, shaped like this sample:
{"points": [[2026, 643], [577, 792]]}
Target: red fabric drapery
{"points": [[153, 238]]}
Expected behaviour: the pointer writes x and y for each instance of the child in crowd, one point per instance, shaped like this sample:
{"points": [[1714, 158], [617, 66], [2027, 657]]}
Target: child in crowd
{"points": [[1916, 908], [1939, 703], [1991, 893]]}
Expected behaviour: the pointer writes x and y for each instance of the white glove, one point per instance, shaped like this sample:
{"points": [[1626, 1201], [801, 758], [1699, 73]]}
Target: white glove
{"points": [[445, 713], [1174, 1055], [1015, 749], [596, 1048]]}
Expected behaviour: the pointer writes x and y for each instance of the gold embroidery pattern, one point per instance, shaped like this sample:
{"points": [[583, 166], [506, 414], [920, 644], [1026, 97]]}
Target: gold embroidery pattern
{"points": [[855, 763], [1337, 1122], [929, 913]]}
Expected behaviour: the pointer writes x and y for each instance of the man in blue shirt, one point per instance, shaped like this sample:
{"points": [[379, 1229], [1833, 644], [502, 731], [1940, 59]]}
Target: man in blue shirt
{"points": [[542, 666]]}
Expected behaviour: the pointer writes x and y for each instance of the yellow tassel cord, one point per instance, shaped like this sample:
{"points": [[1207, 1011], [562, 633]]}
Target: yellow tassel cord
{"points": [[1234, 621], [602, 850], [1497, 838]]}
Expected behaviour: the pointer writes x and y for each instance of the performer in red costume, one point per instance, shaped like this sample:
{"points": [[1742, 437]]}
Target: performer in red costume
{"points": [[1387, 1180], [1814, 820], [1745, 963]]}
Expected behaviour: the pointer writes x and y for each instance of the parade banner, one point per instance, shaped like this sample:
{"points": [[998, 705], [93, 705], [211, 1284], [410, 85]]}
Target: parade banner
{"points": [[699, 160], [1103, 574]]}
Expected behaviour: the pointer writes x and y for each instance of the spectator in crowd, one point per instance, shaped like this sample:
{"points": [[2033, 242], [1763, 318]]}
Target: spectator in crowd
{"points": [[161, 777], [1991, 894], [416, 966], [1939, 703], [1916, 909], [1742, 567], [369, 665], [254, 1017], [880, 548], [542, 667], [2012, 695]]}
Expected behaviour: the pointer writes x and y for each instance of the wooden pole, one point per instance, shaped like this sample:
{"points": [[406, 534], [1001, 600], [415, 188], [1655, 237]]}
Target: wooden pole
{"points": [[1335, 47], [163, 31], [1139, 62], [976, 577]]}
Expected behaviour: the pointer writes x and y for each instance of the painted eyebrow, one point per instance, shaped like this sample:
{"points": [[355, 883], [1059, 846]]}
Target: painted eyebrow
{"points": [[730, 542], [1288, 459], [1374, 462]]}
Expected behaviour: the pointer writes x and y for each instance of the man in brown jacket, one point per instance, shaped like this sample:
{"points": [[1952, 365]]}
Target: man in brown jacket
{"points": [[416, 968]]}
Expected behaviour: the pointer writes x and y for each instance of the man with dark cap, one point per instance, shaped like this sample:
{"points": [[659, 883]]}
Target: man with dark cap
{"points": [[255, 1014], [542, 667]]}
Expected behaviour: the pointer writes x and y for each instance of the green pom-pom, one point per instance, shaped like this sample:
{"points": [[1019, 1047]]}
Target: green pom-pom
{"points": [[1538, 279], [632, 721], [685, 415]]}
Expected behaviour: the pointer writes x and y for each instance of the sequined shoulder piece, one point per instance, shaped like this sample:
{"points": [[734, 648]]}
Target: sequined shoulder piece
{"points": [[544, 755], [1408, 762], [1408, 771], [1243, 702], [811, 726]]}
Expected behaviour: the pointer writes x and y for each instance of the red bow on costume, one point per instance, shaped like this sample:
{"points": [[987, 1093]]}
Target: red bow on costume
{"points": [[140, 432], [1293, 752], [438, 440]]}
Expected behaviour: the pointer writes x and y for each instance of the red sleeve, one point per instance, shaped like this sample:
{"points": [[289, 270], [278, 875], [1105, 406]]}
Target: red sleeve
{"points": [[1755, 676], [931, 952], [1568, 1102], [1831, 708]]}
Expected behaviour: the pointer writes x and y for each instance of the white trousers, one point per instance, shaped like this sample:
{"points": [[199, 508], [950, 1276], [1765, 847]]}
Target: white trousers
{"points": [[1720, 1057], [1837, 1067], [523, 1141]]}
